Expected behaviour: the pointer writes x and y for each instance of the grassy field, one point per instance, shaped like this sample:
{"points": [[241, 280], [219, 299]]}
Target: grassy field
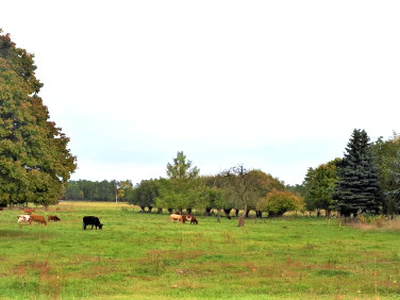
{"points": [[145, 256]]}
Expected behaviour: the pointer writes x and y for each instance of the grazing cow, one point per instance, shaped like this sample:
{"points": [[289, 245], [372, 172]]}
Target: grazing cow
{"points": [[53, 218], [192, 219], [24, 218], [38, 219], [91, 220], [29, 211], [176, 217]]}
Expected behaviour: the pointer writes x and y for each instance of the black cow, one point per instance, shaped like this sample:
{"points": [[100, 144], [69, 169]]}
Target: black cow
{"points": [[91, 220]]}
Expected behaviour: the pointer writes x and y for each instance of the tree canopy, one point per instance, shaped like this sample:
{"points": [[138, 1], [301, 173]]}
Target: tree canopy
{"points": [[35, 162], [184, 187], [320, 185]]}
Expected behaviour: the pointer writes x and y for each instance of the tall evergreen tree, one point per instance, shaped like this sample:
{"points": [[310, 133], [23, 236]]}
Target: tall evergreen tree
{"points": [[34, 160], [357, 189]]}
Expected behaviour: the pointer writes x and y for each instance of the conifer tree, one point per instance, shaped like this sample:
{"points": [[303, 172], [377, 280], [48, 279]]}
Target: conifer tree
{"points": [[358, 190]]}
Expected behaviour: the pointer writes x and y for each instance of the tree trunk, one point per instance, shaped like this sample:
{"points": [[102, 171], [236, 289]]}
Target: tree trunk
{"points": [[328, 213], [219, 216], [208, 211], [227, 213], [242, 217]]}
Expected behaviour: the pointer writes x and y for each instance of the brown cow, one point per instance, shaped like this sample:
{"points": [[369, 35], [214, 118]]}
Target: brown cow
{"points": [[38, 219], [29, 210], [53, 218], [192, 219]]}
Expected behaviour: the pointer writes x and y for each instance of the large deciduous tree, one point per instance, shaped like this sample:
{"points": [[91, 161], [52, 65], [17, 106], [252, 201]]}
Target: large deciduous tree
{"points": [[144, 194], [358, 189], [35, 162], [320, 185], [386, 158], [263, 184], [392, 191], [240, 189]]}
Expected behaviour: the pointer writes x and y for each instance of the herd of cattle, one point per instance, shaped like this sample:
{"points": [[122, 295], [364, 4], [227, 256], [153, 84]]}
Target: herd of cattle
{"points": [[29, 217], [93, 221]]}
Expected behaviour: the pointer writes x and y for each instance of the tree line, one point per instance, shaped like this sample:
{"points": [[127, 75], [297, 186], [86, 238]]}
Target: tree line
{"points": [[184, 189], [366, 180]]}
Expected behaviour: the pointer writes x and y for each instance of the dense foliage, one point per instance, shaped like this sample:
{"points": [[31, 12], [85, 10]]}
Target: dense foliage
{"points": [[184, 189], [277, 203], [35, 162], [358, 189], [387, 160], [320, 184]]}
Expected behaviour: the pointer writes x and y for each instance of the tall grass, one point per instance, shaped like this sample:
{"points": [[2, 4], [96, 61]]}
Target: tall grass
{"points": [[145, 256]]}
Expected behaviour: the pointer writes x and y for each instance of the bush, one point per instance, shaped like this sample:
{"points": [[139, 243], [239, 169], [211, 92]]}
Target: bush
{"points": [[279, 202]]}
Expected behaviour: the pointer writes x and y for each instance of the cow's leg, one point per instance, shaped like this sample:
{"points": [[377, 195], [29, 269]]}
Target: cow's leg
{"points": [[84, 226]]}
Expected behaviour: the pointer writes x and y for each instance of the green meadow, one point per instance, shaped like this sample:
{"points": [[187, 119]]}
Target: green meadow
{"points": [[145, 256]]}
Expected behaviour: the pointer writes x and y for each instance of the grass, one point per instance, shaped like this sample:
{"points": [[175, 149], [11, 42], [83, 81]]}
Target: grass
{"points": [[145, 256]]}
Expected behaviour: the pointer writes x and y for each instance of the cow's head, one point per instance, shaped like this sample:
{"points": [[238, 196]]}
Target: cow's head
{"points": [[100, 226]]}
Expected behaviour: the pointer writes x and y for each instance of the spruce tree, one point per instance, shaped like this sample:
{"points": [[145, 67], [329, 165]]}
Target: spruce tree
{"points": [[357, 189]]}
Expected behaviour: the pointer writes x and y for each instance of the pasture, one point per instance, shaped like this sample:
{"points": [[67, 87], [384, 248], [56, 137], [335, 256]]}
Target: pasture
{"points": [[145, 256]]}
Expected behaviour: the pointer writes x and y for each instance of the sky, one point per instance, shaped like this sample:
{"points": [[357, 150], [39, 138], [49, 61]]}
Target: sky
{"points": [[277, 86]]}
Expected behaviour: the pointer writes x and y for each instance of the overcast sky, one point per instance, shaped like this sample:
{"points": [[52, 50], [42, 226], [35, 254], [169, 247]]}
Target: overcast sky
{"points": [[274, 85]]}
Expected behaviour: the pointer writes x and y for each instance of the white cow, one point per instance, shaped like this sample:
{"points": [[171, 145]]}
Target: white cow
{"points": [[24, 218]]}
